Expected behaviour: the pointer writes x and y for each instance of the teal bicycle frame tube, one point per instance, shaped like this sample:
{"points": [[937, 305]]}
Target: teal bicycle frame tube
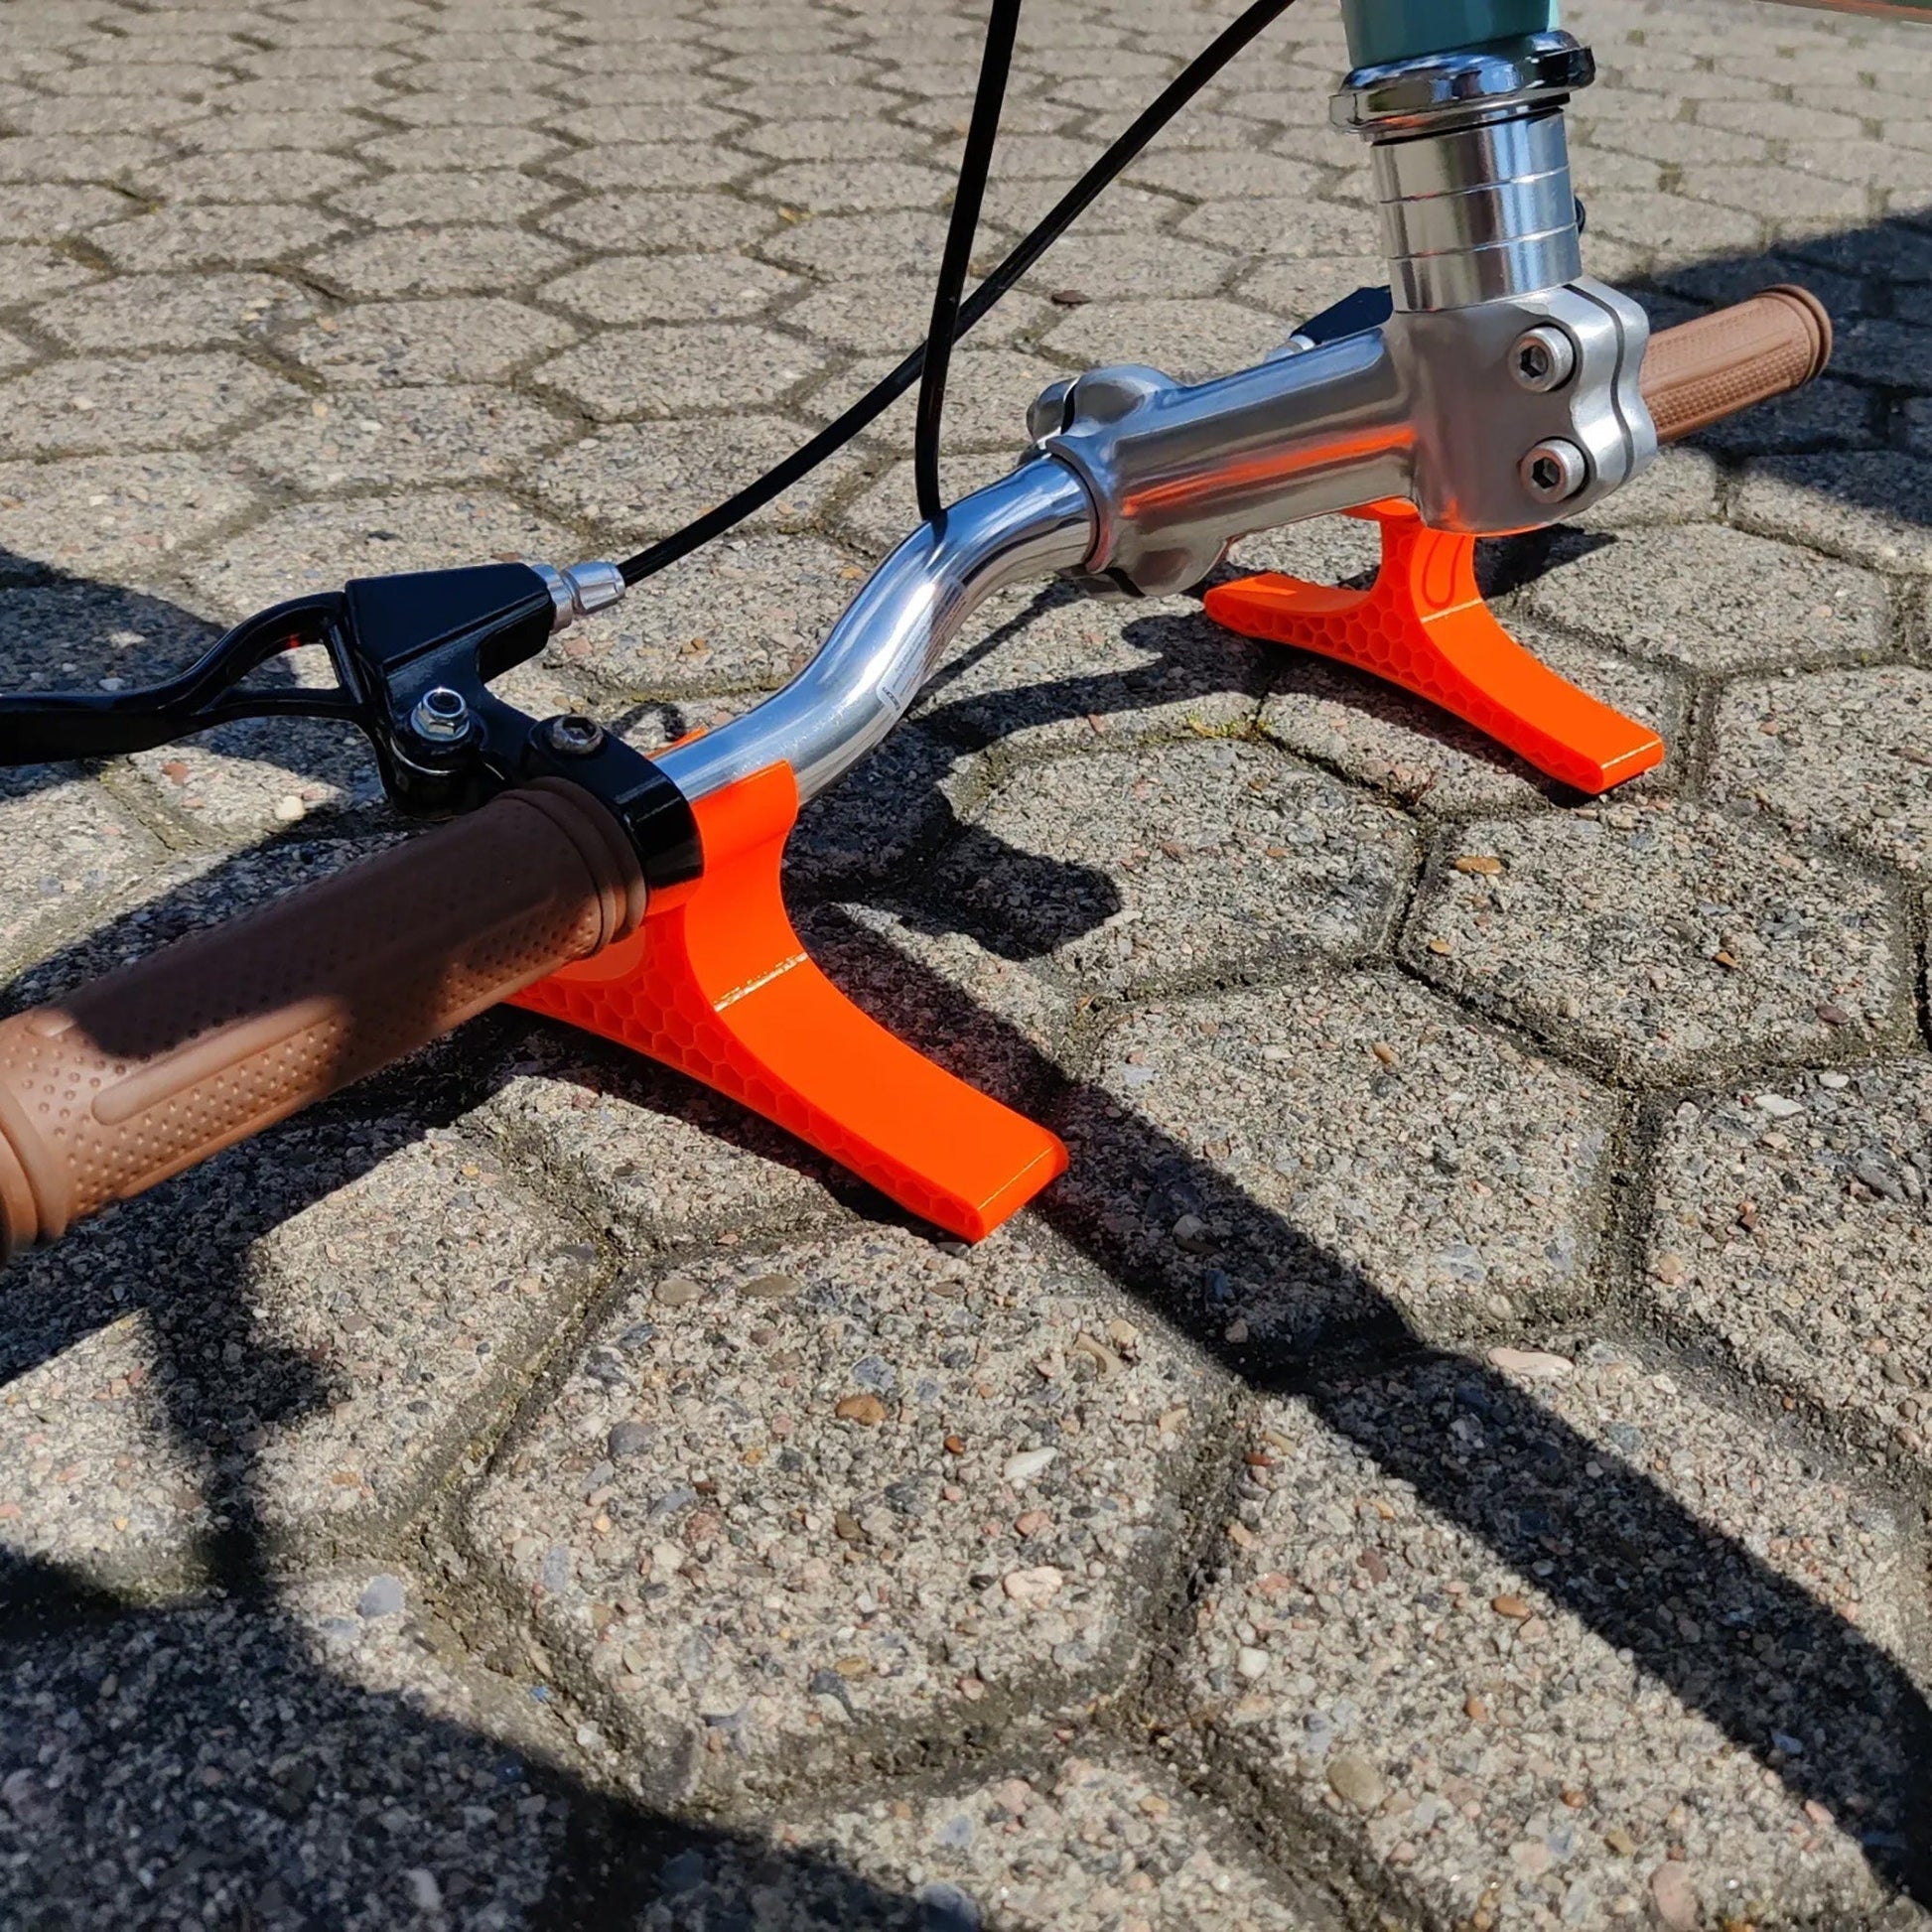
{"points": [[1400, 30]]}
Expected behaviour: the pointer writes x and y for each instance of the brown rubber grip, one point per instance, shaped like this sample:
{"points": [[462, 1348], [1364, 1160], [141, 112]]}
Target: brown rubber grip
{"points": [[155, 1067], [1724, 362]]}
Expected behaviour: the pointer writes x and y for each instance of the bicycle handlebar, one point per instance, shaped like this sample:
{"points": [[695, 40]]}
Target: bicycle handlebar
{"points": [[153, 1068]]}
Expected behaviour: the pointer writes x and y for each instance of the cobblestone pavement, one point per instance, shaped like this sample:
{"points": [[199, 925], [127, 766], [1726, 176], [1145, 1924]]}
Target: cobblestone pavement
{"points": [[1452, 1452]]}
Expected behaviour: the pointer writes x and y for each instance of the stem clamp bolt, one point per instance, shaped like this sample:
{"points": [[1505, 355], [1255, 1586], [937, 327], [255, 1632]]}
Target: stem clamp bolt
{"points": [[573, 736], [1554, 471], [441, 715], [1543, 358]]}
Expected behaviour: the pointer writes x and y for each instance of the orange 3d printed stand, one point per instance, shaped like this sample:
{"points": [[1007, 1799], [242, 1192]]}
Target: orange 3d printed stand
{"points": [[716, 983], [1422, 625]]}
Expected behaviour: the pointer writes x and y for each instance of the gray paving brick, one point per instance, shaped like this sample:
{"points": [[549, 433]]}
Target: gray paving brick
{"points": [[173, 311], [384, 1325], [114, 514], [1872, 507], [324, 1761], [67, 847], [857, 247], [28, 271], [649, 478], [460, 146], [680, 372], [1190, 339], [672, 288], [1790, 1229], [1147, 867], [1711, 599], [1481, 1623], [1098, 1842], [46, 211], [690, 221], [740, 616], [1784, 743], [1673, 227], [439, 261], [888, 316], [1294, 1165], [401, 343], [854, 1550], [317, 546], [72, 158], [92, 403], [221, 236], [412, 436], [1655, 940], [1052, 670]]}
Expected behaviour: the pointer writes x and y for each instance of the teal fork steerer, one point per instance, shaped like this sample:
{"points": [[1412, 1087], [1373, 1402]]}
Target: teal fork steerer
{"points": [[1381, 31]]}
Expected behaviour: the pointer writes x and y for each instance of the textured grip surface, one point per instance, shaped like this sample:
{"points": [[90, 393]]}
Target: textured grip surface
{"points": [[1722, 362], [153, 1068]]}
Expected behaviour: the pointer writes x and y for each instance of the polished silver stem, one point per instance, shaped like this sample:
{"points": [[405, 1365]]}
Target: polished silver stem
{"points": [[894, 634]]}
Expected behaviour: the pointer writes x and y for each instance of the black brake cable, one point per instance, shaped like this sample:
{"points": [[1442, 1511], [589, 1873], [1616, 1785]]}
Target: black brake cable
{"points": [[876, 401], [974, 164]]}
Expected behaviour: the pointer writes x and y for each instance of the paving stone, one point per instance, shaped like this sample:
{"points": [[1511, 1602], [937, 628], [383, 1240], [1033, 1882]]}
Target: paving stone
{"points": [[1098, 1842], [673, 288], [1871, 506], [1788, 743], [842, 187], [366, 1338], [1681, 487], [1205, 175], [1790, 1229], [741, 614], [1710, 598], [1671, 227], [1285, 1168], [1894, 353], [44, 212], [460, 146], [194, 236], [462, 339], [404, 201], [1655, 941], [1016, 207], [298, 1762], [930, 1607], [480, 107], [113, 514], [1293, 292], [68, 634], [1787, 199], [105, 115], [421, 436], [987, 393], [680, 372], [1044, 669], [73, 157], [836, 140], [1888, 249], [173, 311], [107, 404], [687, 221], [283, 174], [69, 845], [853, 247], [27, 272], [318, 546], [439, 261], [649, 478], [1496, 1618], [1268, 227], [888, 315], [1174, 864]]}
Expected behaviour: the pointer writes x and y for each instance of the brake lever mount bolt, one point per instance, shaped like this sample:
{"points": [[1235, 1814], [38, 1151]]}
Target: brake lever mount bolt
{"points": [[441, 716], [1543, 358], [1554, 471], [574, 736]]}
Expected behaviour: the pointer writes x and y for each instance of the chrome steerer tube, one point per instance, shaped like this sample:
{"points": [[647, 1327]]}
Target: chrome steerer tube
{"points": [[1033, 523]]}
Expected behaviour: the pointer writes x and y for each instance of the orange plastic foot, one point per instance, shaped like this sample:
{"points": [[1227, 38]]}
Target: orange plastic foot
{"points": [[716, 984], [1422, 625]]}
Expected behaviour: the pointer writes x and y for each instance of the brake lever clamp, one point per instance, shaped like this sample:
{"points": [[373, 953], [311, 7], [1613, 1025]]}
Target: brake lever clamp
{"points": [[414, 655]]}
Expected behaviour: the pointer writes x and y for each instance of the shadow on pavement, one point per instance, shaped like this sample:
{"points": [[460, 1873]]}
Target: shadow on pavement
{"points": [[130, 1754]]}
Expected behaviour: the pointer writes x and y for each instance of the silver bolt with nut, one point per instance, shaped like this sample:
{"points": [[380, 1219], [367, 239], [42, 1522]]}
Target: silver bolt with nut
{"points": [[441, 715], [1554, 471], [1543, 358]]}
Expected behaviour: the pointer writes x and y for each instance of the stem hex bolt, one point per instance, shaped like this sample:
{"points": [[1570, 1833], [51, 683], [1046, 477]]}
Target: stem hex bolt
{"points": [[1543, 358], [574, 736], [441, 715], [1554, 471]]}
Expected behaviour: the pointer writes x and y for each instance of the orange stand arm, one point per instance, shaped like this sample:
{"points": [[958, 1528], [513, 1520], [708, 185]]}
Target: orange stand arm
{"points": [[716, 983], [1422, 625]]}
